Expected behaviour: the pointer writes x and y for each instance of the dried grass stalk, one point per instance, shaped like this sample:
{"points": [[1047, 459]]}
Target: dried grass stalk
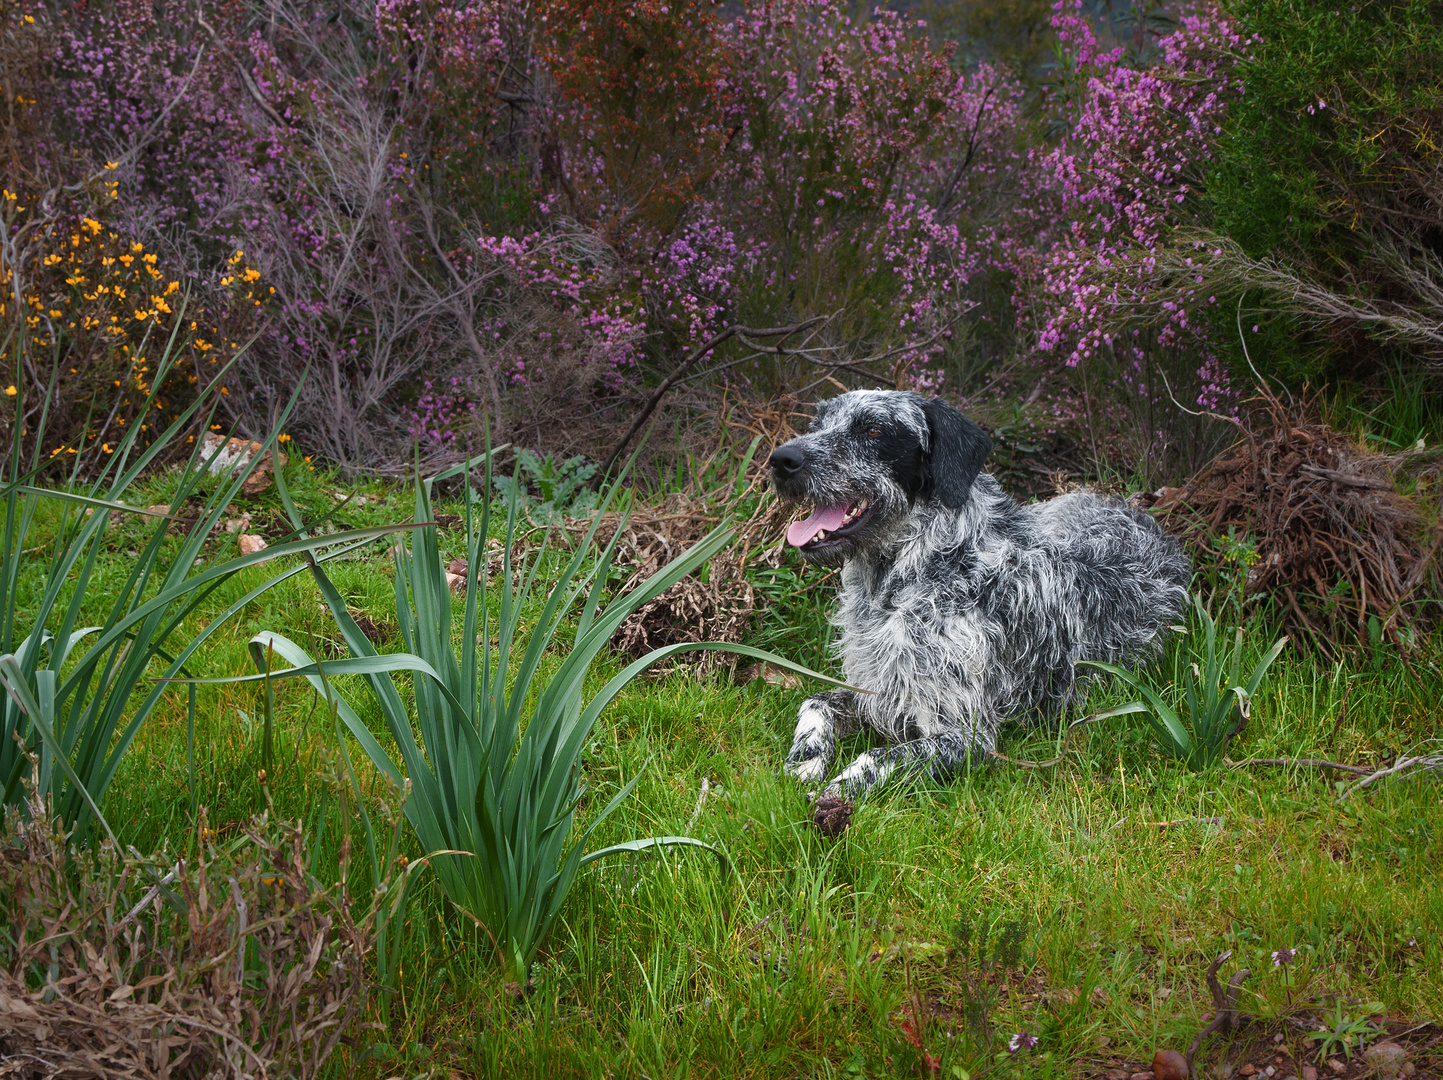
{"points": [[234, 963]]}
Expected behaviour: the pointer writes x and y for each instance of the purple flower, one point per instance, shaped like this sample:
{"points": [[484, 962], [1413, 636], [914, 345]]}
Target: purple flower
{"points": [[1284, 957], [1021, 1041]]}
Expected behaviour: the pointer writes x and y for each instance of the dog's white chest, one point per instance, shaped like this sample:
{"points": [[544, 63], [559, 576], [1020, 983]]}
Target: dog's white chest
{"points": [[922, 669]]}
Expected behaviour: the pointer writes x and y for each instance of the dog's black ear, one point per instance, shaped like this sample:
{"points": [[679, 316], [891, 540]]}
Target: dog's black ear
{"points": [[957, 449]]}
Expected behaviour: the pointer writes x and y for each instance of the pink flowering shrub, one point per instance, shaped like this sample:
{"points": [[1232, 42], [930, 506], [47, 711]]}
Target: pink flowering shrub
{"points": [[473, 210], [866, 175], [1126, 179]]}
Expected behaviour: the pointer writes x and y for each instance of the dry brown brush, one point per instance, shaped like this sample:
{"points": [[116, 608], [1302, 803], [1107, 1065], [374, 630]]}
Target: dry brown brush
{"points": [[1337, 545], [231, 962], [717, 605]]}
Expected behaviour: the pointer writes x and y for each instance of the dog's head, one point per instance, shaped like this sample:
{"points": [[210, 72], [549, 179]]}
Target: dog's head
{"points": [[868, 457]]}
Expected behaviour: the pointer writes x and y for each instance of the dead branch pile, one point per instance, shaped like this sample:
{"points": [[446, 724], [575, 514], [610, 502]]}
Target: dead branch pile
{"points": [[218, 965], [715, 604], [1336, 543]]}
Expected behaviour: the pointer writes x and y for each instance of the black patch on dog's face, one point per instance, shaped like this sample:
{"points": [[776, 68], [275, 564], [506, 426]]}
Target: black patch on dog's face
{"points": [[900, 449]]}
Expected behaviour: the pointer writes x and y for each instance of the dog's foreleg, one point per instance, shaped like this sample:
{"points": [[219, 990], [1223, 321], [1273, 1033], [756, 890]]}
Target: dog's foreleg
{"points": [[940, 756], [822, 719]]}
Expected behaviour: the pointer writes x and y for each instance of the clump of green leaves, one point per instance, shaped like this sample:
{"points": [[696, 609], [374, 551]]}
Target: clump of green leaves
{"points": [[1215, 701], [1349, 1028], [494, 753], [1325, 165], [70, 689], [548, 489]]}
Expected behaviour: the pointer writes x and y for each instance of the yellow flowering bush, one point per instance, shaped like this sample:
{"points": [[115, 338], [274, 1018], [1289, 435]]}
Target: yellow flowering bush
{"points": [[92, 311]]}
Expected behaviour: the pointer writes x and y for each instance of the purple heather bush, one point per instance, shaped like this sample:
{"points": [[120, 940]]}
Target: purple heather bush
{"points": [[463, 211]]}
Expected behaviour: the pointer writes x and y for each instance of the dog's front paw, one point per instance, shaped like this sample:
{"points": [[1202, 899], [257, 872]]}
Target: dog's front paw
{"points": [[863, 774], [809, 770]]}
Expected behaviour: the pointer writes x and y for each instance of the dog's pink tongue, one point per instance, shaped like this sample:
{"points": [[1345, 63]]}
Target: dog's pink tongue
{"points": [[823, 517]]}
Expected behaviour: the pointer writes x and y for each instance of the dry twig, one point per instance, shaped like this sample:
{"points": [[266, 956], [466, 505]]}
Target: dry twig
{"points": [[1404, 766], [1225, 1005]]}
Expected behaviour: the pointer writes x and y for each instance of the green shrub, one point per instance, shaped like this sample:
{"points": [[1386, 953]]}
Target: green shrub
{"points": [[1329, 164], [495, 773], [1215, 703], [68, 686]]}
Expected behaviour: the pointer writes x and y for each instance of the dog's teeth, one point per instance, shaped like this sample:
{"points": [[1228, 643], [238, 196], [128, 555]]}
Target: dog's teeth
{"points": [[821, 535]]}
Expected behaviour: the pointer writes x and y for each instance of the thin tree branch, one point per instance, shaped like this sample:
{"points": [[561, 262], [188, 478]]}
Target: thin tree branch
{"points": [[1305, 763], [686, 365]]}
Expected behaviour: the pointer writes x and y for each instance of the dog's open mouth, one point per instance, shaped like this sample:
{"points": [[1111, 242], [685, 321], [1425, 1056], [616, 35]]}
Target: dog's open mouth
{"points": [[827, 524]]}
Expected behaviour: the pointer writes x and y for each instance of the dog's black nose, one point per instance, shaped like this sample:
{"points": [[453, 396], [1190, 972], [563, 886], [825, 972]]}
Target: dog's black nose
{"points": [[787, 459]]}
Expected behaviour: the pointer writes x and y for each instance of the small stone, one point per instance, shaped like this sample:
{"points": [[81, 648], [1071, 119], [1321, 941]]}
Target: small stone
{"points": [[1310, 1072], [832, 815], [1249, 1069], [1337, 1067], [1388, 1058], [1269, 1071], [1140, 1076], [1409, 1068], [1169, 1065], [456, 575], [250, 543]]}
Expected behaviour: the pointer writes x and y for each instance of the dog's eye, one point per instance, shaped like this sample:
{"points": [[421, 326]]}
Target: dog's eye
{"points": [[872, 432]]}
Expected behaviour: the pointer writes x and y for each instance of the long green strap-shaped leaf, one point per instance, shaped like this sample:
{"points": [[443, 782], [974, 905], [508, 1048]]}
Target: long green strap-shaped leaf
{"points": [[87, 500], [1164, 720], [224, 570], [618, 682], [632, 847], [384, 663], [1262, 669], [317, 674], [19, 690]]}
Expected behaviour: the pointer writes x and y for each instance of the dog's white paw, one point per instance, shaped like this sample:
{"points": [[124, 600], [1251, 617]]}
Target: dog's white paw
{"points": [[808, 771], [863, 773]]}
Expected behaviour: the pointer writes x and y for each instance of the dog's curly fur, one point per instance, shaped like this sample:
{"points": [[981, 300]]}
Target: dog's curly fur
{"points": [[959, 609]]}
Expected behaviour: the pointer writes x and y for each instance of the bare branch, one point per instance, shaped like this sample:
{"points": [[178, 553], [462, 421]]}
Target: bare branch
{"points": [[686, 365]]}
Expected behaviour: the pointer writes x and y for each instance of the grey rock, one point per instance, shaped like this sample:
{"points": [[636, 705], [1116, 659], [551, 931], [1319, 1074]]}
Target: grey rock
{"points": [[1388, 1058]]}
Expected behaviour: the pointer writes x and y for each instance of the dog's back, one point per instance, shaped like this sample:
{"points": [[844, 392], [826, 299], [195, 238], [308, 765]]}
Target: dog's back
{"points": [[1128, 579]]}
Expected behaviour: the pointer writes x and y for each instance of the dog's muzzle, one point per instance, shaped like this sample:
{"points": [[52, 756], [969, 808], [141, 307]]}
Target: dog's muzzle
{"points": [[829, 523]]}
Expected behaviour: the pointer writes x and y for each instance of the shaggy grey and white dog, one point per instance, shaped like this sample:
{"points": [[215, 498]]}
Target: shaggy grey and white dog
{"points": [[959, 609]]}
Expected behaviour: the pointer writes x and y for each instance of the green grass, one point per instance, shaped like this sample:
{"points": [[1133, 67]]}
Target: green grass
{"points": [[803, 962]]}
